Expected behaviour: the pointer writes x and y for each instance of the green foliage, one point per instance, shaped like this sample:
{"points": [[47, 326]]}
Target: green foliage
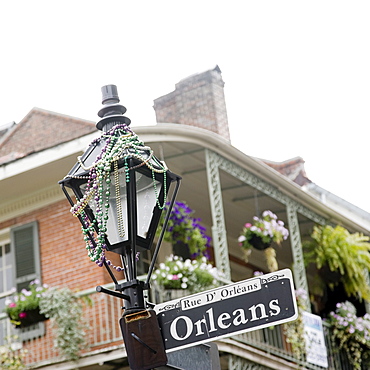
{"points": [[65, 311], [25, 300], [352, 334], [61, 306], [343, 252], [195, 276], [294, 330], [10, 358]]}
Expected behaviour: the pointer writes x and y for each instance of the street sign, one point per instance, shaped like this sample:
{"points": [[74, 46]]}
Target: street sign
{"points": [[237, 308]]}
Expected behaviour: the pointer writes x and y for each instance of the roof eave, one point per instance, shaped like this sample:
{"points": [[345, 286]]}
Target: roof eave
{"points": [[216, 143]]}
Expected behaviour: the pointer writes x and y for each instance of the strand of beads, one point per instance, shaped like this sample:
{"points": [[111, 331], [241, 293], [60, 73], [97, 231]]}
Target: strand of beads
{"points": [[121, 230], [120, 144]]}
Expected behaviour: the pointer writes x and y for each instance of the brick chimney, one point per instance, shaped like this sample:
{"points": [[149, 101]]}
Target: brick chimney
{"points": [[199, 101]]}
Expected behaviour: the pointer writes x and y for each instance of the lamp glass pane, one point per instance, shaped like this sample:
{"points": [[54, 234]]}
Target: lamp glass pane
{"points": [[146, 197], [116, 231], [117, 223]]}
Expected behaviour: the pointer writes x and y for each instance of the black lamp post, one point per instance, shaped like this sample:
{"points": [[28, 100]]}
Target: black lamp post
{"points": [[121, 189]]}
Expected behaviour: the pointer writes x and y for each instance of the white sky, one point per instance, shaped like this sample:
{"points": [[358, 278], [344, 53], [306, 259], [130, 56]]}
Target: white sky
{"points": [[297, 74]]}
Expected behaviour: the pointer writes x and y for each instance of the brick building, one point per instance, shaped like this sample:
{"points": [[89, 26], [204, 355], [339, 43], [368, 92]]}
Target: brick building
{"points": [[40, 239]]}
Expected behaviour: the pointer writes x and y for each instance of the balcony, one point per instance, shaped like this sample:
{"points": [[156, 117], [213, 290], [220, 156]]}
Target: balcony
{"points": [[103, 335], [265, 346]]}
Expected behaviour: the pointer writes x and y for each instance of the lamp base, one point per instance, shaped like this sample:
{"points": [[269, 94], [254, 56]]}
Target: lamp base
{"points": [[143, 340]]}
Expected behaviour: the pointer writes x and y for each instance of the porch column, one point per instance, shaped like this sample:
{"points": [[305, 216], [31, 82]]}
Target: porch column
{"points": [[218, 221], [299, 271]]}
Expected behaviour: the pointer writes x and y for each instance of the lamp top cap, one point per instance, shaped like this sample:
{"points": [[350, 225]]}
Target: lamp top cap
{"points": [[109, 94]]}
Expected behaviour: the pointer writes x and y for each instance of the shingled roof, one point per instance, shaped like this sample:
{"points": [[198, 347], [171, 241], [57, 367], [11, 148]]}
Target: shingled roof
{"points": [[40, 130], [292, 168]]}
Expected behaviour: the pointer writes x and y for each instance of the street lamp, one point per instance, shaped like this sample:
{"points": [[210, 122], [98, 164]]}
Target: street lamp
{"points": [[121, 190]]}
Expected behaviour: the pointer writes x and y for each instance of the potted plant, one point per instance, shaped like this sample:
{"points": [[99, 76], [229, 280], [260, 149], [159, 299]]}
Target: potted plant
{"points": [[189, 276], [351, 334], [261, 234], [62, 306], [23, 308], [187, 236], [336, 250]]}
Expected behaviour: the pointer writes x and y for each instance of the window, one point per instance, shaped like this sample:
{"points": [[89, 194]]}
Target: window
{"points": [[25, 244], [6, 273], [19, 265]]}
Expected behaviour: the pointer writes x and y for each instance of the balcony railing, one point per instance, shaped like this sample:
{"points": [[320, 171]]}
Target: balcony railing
{"points": [[272, 340], [103, 334]]}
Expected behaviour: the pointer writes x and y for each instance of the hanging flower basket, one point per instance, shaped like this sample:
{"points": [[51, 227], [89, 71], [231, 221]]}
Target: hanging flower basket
{"points": [[23, 308], [30, 317], [268, 228], [261, 234], [258, 243], [187, 236], [341, 257]]}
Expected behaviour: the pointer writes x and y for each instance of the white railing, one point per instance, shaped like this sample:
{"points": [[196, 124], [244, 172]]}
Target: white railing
{"points": [[102, 331]]}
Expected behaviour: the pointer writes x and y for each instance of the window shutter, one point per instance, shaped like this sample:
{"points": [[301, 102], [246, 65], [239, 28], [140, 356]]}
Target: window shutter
{"points": [[25, 244], [26, 253]]}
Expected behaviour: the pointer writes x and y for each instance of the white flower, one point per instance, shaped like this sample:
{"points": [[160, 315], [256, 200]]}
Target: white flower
{"points": [[187, 263], [26, 292], [241, 238]]}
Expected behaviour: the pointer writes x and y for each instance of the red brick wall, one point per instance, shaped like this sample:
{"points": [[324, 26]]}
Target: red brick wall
{"points": [[64, 263], [64, 260]]}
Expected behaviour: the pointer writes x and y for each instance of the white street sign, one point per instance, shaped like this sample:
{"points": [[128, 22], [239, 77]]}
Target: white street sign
{"points": [[248, 305]]}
